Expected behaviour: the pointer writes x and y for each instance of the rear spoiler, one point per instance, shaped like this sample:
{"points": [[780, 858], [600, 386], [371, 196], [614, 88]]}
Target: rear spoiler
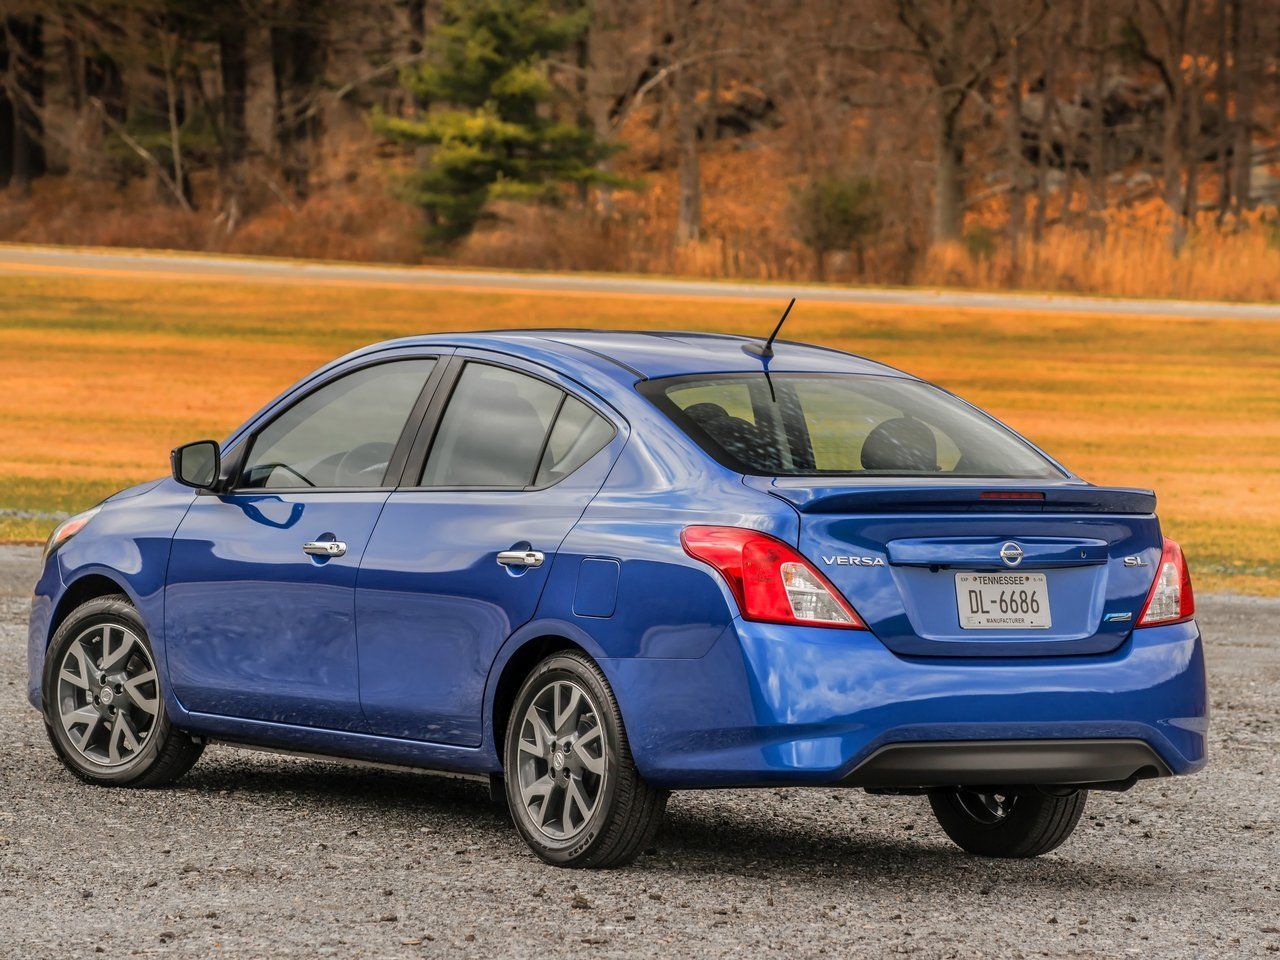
{"points": [[966, 499]]}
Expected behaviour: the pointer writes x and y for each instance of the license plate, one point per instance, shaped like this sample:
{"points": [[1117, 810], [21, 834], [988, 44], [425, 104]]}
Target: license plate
{"points": [[1003, 601]]}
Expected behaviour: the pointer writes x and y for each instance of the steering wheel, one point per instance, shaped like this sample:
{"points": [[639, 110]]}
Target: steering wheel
{"points": [[363, 466]]}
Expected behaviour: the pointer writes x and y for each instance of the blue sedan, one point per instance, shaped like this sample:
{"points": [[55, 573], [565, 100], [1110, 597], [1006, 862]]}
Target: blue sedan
{"points": [[595, 567]]}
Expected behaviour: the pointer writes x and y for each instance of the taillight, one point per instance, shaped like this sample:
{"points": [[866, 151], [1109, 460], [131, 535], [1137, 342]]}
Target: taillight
{"points": [[1170, 599], [771, 581]]}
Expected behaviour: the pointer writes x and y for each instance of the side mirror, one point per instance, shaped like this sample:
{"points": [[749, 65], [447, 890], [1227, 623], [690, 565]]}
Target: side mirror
{"points": [[196, 464]]}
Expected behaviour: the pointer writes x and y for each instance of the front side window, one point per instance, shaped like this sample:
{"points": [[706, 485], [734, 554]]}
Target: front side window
{"points": [[832, 424], [341, 435], [506, 430]]}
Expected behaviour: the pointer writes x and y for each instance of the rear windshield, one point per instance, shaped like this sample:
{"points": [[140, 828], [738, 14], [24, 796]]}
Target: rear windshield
{"points": [[817, 424]]}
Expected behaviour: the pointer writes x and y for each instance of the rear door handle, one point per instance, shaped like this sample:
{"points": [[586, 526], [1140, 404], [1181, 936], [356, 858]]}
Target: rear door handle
{"points": [[325, 548], [521, 558]]}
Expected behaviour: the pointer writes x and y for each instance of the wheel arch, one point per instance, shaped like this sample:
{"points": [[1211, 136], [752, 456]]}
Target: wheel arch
{"points": [[522, 652], [513, 674], [89, 586]]}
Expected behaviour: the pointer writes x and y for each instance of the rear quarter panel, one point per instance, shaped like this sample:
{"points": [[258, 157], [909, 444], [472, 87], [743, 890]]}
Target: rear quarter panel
{"points": [[668, 606]]}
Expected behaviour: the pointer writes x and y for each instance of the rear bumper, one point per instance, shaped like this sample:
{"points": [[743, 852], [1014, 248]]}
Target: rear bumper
{"points": [[972, 763], [776, 705]]}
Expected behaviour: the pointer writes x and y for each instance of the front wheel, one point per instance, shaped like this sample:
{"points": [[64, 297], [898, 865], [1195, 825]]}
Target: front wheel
{"points": [[995, 824], [574, 792], [103, 708]]}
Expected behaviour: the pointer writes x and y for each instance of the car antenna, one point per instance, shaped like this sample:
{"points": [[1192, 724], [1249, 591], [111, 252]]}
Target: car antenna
{"points": [[765, 350]]}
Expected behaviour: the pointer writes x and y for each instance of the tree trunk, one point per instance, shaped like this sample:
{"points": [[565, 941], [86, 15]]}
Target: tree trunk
{"points": [[27, 64], [82, 138], [1173, 181], [1017, 201], [582, 55], [1171, 156], [416, 11], [73, 59], [417, 14], [1192, 156], [1047, 110], [1099, 33], [1243, 35], [6, 114], [689, 206], [948, 192], [599, 93], [710, 124], [1177, 133], [296, 66], [233, 67], [1224, 108], [171, 95]]}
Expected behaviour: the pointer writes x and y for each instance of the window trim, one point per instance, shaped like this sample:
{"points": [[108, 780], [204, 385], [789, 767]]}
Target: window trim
{"points": [[244, 445], [416, 461], [655, 391]]}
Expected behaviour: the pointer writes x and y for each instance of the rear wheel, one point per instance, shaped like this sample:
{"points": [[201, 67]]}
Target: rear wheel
{"points": [[574, 793], [103, 709], [996, 824]]}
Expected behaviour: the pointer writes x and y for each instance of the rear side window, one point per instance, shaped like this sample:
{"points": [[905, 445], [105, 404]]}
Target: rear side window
{"points": [[341, 435], [579, 434], [503, 429], [818, 424]]}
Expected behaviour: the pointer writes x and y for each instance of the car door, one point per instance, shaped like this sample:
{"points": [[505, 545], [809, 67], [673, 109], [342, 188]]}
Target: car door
{"points": [[461, 552], [259, 600]]}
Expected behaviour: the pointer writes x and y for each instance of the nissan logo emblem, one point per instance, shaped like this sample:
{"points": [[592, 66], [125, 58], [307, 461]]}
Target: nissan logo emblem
{"points": [[1011, 554]]}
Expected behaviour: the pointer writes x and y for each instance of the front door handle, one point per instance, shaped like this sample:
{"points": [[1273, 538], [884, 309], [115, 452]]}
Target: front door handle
{"points": [[325, 548], [521, 558]]}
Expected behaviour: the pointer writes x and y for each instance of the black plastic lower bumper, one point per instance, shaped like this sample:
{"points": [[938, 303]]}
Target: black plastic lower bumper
{"points": [[968, 763]]}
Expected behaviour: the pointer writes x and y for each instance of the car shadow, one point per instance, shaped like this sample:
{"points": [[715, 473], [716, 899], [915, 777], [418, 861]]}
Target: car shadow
{"points": [[324, 784], [720, 838], [715, 837]]}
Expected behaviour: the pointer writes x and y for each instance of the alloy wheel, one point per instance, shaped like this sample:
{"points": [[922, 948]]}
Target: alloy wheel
{"points": [[988, 808], [108, 694], [563, 760]]}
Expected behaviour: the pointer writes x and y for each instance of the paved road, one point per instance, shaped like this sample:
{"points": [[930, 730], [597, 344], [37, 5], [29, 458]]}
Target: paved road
{"points": [[256, 856], [20, 259]]}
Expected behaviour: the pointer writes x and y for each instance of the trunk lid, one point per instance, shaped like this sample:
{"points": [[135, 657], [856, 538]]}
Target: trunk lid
{"points": [[918, 560]]}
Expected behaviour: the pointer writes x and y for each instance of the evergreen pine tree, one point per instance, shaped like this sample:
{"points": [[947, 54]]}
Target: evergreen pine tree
{"points": [[491, 114]]}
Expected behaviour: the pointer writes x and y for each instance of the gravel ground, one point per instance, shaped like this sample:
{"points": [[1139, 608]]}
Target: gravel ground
{"points": [[255, 855]]}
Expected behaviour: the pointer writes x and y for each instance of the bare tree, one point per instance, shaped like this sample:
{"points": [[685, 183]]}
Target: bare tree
{"points": [[961, 42], [298, 44], [1244, 58], [685, 22], [24, 88], [1096, 28], [1015, 161], [1164, 33]]}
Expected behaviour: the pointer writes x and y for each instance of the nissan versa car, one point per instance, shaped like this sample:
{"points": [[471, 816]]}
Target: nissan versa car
{"points": [[596, 567]]}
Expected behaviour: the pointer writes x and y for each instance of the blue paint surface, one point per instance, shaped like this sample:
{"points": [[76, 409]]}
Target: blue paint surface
{"points": [[597, 593], [397, 650]]}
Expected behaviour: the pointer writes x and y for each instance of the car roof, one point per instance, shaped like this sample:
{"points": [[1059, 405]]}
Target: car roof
{"points": [[632, 355]]}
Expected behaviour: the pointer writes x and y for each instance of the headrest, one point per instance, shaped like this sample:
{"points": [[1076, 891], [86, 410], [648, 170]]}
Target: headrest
{"points": [[704, 413], [903, 445]]}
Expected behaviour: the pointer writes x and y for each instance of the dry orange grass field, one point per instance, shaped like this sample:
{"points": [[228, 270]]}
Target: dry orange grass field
{"points": [[104, 375]]}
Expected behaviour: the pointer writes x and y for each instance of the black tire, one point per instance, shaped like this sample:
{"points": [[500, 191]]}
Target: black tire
{"points": [[1022, 825], [166, 754], [627, 811]]}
